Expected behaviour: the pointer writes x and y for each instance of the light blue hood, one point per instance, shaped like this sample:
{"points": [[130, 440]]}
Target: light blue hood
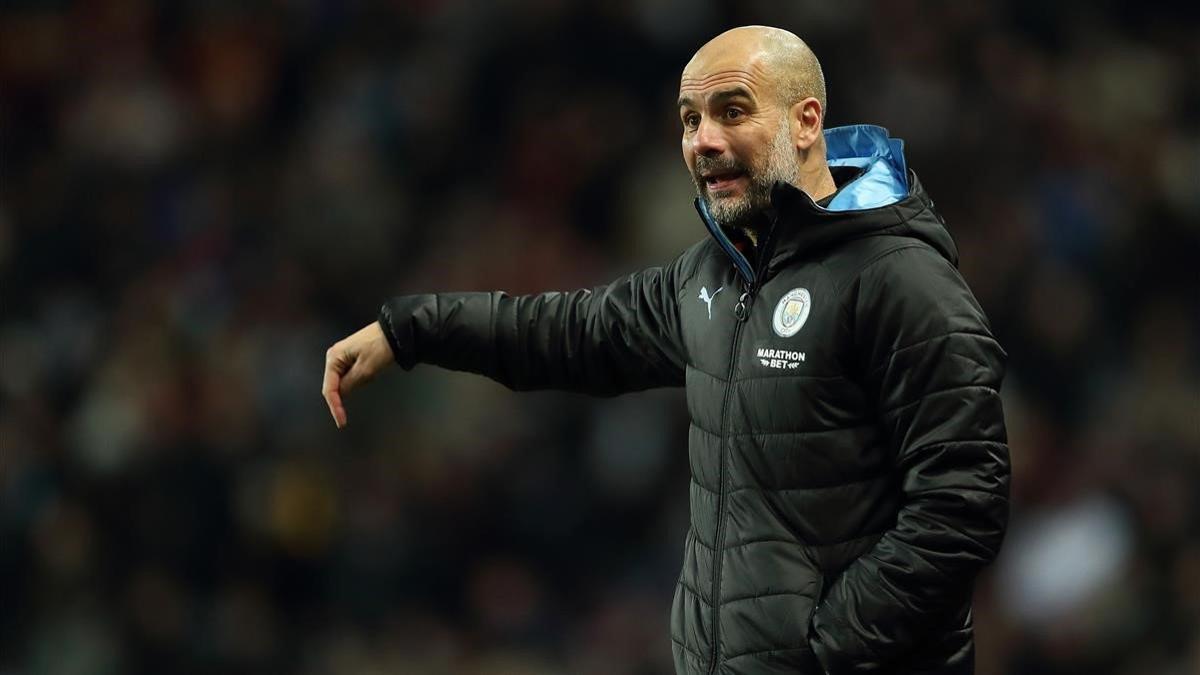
{"points": [[867, 146], [880, 179]]}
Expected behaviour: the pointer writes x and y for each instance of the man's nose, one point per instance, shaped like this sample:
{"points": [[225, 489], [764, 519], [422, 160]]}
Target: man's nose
{"points": [[709, 139]]}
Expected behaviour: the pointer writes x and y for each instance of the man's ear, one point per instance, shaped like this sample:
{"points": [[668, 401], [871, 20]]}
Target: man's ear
{"points": [[804, 117]]}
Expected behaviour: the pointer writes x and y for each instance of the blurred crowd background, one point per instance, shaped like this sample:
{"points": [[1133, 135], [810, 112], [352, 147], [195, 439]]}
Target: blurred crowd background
{"points": [[198, 197]]}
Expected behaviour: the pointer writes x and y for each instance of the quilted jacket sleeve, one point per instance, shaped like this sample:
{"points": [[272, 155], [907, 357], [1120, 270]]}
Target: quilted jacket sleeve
{"points": [[607, 340], [933, 370]]}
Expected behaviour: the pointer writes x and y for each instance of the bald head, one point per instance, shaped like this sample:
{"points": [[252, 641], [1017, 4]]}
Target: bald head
{"points": [[752, 107], [785, 63]]}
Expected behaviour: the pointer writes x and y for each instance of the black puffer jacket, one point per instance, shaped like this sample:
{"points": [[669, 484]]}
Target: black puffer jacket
{"points": [[847, 448]]}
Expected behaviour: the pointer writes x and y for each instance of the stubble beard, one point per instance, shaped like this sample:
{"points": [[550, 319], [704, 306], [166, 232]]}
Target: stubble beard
{"points": [[742, 211]]}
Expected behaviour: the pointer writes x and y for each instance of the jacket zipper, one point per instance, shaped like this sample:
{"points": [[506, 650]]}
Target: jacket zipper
{"points": [[741, 311]]}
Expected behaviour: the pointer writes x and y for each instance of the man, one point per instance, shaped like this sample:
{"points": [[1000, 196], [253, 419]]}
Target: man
{"points": [[847, 448]]}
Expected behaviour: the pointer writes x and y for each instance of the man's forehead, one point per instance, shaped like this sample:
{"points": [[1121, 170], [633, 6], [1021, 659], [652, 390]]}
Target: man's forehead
{"points": [[741, 79], [726, 67]]}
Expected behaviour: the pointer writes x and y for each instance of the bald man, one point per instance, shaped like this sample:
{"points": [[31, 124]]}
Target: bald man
{"points": [[850, 473]]}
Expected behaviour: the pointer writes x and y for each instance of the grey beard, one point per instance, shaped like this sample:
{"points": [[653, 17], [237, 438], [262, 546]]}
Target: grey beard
{"points": [[744, 212]]}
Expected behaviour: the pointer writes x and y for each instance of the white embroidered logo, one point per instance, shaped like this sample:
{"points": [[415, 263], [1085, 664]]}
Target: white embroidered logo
{"points": [[707, 299], [780, 359]]}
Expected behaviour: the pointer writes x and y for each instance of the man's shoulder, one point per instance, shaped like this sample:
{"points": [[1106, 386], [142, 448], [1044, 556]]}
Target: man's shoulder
{"points": [[917, 281], [883, 254]]}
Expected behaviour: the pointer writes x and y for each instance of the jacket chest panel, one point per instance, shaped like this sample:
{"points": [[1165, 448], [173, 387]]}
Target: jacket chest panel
{"points": [[793, 328], [789, 364], [792, 370]]}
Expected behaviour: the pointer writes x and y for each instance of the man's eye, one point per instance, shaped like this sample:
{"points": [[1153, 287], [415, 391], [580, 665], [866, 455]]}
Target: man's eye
{"points": [[691, 121], [733, 113]]}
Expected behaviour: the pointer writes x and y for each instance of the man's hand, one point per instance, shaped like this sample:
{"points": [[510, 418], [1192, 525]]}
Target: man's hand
{"points": [[352, 361]]}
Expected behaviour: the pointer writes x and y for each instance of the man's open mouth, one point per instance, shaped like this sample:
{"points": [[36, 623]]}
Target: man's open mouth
{"points": [[722, 180]]}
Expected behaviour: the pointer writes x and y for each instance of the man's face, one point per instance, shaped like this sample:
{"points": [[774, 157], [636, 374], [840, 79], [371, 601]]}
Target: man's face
{"points": [[736, 140]]}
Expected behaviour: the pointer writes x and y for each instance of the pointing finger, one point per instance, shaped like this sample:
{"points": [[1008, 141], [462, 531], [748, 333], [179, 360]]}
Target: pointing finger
{"points": [[331, 389]]}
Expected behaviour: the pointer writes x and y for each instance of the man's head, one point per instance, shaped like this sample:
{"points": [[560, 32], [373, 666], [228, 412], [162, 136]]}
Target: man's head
{"points": [[752, 104]]}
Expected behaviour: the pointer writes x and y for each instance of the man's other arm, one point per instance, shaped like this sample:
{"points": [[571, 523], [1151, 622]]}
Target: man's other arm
{"points": [[620, 337], [933, 371]]}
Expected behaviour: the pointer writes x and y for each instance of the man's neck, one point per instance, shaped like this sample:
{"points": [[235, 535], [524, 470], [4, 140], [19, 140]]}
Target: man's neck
{"points": [[816, 183]]}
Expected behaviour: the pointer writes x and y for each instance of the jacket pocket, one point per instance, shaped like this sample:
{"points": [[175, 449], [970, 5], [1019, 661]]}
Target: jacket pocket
{"points": [[815, 666], [816, 603]]}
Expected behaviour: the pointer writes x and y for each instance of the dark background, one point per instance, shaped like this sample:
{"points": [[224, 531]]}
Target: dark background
{"points": [[197, 198]]}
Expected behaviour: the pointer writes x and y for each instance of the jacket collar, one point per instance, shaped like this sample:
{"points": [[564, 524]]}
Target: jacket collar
{"points": [[877, 192]]}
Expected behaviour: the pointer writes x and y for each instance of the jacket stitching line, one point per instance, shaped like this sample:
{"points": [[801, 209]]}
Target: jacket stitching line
{"points": [[764, 541], [814, 488], [769, 651], [687, 649], [926, 394], [703, 487], [941, 336], [916, 514], [971, 441], [957, 489], [817, 488], [796, 432], [806, 376], [710, 433], [710, 375], [801, 488], [843, 542], [802, 432], [805, 545], [694, 592], [769, 594], [748, 378]]}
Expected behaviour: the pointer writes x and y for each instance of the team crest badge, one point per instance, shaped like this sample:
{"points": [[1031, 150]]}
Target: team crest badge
{"points": [[791, 312]]}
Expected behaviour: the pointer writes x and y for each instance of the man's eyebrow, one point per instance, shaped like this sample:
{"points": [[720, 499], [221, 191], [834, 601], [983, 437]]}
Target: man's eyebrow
{"points": [[720, 96]]}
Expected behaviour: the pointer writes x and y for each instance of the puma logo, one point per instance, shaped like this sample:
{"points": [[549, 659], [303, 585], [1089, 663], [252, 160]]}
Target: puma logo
{"points": [[707, 299]]}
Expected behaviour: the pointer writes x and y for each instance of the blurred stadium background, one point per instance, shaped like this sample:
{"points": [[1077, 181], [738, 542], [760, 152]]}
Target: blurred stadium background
{"points": [[197, 198]]}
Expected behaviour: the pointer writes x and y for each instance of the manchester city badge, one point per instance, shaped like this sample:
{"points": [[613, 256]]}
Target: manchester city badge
{"points": [[791, 312]]}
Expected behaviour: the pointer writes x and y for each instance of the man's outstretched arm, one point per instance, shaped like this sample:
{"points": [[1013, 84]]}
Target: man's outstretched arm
{"points": [[620, 337], [933, 371]]}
